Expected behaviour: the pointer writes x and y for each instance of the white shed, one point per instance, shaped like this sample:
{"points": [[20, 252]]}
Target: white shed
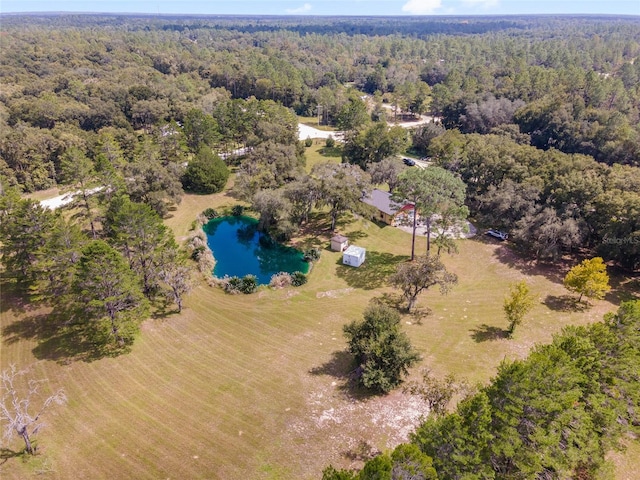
{"points": [[354, 256]]}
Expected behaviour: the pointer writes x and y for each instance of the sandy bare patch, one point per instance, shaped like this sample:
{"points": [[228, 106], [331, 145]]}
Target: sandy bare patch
{"points": [[334, 293], [305, 131], [380, 423]]}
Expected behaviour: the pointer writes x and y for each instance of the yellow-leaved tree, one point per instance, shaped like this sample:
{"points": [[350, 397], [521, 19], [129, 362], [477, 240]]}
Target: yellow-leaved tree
{"points": [[517, 304], [588, 278]]}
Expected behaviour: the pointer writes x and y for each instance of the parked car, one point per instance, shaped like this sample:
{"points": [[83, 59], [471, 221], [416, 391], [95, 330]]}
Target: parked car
{"points": [[408, 162], [498, 234]]}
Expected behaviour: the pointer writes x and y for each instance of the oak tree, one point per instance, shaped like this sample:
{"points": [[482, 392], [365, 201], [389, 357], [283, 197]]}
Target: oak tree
{"points": [[340, 187], [382, 351], [588, 278], [416, 276]]}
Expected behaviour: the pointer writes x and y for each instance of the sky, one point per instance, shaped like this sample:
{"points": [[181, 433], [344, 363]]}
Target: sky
{"points": [[329, 7]]}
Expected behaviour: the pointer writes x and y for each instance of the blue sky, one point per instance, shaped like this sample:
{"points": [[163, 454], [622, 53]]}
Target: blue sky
{"points": [[330, 7]]}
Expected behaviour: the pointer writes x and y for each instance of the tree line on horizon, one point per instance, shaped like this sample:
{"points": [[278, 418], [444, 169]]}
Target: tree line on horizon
{"points": [[150, 93]]}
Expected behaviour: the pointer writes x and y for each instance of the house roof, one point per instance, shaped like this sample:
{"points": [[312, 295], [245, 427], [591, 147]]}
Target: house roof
{"points": [[354, 251], [383, 202], [339, 238]]}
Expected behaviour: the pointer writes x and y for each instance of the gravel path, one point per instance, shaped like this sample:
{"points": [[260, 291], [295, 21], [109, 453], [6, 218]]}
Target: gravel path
{"points": [[305, 131], [61, 200]]}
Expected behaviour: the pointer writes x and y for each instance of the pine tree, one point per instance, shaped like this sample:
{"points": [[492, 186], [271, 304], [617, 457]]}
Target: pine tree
{"points": [[79, 174], [138, 232], [108, 293], [25, 227]]}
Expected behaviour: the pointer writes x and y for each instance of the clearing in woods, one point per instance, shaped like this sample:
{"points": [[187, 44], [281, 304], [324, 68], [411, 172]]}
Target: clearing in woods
{"points": [[257, 387]]}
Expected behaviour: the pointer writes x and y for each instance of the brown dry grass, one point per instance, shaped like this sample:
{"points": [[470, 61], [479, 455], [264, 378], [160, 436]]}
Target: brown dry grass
{"points": [[257, 386]]}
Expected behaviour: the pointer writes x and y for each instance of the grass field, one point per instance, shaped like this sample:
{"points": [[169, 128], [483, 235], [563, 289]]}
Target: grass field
{"points": [[255, 387], [313, 122]]}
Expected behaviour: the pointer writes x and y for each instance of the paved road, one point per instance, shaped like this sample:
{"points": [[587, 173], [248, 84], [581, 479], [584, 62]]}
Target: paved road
{"points": [[419, 163], [60, 200], [305, 131]]}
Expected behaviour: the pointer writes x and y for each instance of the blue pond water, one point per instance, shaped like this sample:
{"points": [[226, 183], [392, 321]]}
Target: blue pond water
{"points": [[239, 249]]}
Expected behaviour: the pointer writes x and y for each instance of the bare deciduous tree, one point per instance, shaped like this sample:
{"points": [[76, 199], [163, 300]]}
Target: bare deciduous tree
{"points": [[437, 393], [15, 406]]}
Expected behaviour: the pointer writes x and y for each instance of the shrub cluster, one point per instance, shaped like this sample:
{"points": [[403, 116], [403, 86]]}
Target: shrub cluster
{"points": [[298, 279], [284, 279], [210, 213], [280, 280], [237, 210], [200, 253], [247, 284], [311, 254]]}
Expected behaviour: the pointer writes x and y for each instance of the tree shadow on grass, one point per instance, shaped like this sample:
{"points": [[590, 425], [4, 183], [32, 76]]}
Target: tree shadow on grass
{"points": [[418, 314], [13, 297], [355, 236], [625, 287], [60, 341], [391, 300], [7, 453], [340, 367], [29, 327], [565, 303], [335, 152], [317, 227], [373, 273], [554, 271], [397, 302], [487, 333], [362, 452], [163, 308]]}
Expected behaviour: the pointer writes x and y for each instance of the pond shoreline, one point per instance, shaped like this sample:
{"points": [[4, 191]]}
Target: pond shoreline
{"points": [[240, 249]]}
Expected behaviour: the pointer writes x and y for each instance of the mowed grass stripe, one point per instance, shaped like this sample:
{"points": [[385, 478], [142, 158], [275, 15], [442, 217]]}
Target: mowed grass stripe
{"points": [[229, 380]]}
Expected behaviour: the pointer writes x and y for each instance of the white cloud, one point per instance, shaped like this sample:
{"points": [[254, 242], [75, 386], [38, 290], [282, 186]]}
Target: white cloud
{"points": [[304, 8], [482, 3], [421, 7]]}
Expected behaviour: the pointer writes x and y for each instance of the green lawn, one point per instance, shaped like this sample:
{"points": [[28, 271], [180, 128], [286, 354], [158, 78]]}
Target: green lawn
{"points": [[313, 122], [255, 387], [318, 153], [44, 194]]}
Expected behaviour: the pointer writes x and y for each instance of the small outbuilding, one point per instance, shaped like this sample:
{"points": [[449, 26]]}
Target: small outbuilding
{"points": [[354, 256], [339, 243]]}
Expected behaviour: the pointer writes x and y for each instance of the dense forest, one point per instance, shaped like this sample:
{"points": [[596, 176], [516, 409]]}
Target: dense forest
{"points": [[541, 114], [538, 116]]}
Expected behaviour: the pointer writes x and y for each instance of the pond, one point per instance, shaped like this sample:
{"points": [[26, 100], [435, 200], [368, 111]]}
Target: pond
{"points": [[239, 249]]}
